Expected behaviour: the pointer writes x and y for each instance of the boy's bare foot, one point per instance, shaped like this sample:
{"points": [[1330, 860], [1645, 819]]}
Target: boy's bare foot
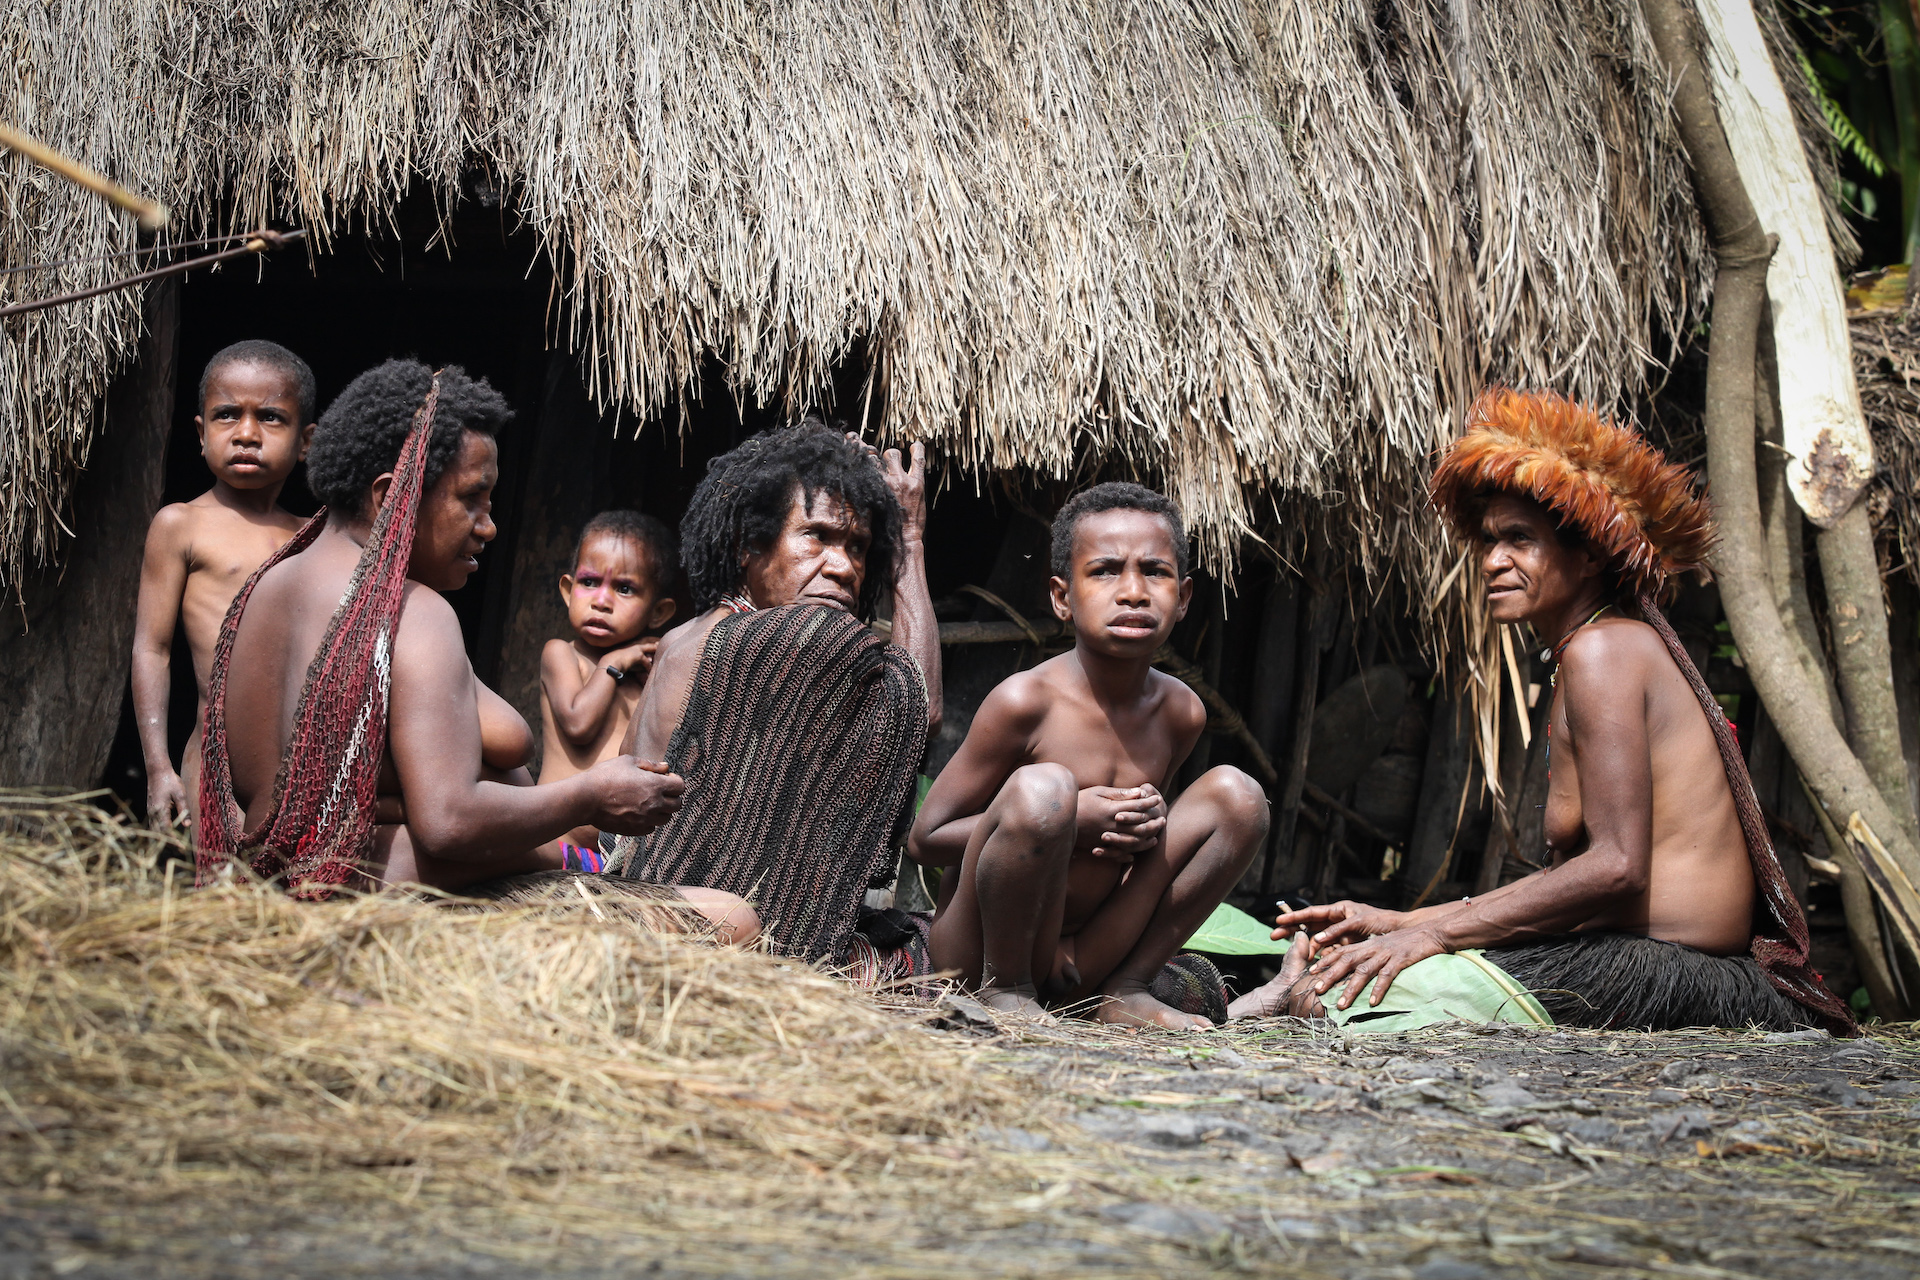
{"points": [[1135, 1007], [1020, 1002], [1276, 999]]}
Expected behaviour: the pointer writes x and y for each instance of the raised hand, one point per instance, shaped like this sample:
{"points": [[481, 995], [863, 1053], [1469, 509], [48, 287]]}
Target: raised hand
{"points": [[1119, 822], [634, 796], [1339, 921], [639, 654], [166, 800], [907, 481]]}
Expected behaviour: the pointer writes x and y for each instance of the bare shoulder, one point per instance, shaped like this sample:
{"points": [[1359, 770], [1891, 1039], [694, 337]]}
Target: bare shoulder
{"points": [[686, 642], [428, 631], [172, 525], [1022, 699], [1613, 649], [1178, 702], [1612, 663]]}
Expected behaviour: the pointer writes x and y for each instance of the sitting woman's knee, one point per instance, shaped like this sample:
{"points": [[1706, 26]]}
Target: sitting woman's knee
{"points": [[1040, 798], [1242, 801], [734, 921]]}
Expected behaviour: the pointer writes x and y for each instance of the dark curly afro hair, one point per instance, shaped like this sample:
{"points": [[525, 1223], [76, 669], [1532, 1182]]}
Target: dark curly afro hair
{"points": [[743, 501], [1117, 495], [360, 435]]}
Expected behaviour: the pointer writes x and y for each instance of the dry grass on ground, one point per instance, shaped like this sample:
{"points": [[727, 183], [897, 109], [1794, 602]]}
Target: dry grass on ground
{"points": [[148, 1029], [225, 1083]]}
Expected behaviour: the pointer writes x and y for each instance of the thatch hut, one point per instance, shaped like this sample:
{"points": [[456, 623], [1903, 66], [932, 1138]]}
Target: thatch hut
{"points": [[1262, 255]]}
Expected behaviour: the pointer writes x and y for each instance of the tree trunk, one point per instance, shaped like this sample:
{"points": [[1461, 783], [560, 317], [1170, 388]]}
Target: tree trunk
{"points": [[1824, 431], [1836, 775], [1786, 537], [67, 646], [1863, 656], [1864, 933]]}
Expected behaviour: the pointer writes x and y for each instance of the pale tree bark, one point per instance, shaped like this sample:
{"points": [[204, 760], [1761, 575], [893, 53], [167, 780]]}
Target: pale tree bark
{"points": [[1742, 247], [1829, 453], [1785, 532], [1824, 432]]}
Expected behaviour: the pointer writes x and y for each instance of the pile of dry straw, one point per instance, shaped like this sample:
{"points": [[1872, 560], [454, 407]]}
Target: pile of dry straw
{"points": [[148, 1031]]}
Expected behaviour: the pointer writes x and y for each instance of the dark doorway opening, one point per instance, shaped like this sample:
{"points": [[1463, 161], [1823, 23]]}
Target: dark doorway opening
{"points": [[473, 289]]}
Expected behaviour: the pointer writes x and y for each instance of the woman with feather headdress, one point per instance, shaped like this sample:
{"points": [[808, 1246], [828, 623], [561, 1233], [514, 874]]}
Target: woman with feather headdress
{"points": [[1662, 903]]}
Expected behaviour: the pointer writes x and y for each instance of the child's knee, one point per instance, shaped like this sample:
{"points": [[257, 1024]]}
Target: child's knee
{"points": [[1242, 802], [1040, 799]]}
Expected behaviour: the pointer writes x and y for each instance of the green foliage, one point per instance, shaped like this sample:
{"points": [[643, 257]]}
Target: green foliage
{"points": [[1230, 931], [1845, 134]]}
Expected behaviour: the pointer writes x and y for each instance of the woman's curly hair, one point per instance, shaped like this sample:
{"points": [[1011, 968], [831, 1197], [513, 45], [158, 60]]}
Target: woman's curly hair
{"points": [[743, 501], [359, 436]]}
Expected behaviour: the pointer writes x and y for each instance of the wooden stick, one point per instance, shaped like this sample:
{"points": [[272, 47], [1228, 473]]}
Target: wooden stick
{"points": [[259, 242], [999, 632], [152, 215]]}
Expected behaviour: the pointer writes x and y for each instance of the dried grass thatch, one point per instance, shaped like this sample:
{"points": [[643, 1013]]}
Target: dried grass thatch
{"points": [[1886, 361], [145, 1030], [1265, 254]]}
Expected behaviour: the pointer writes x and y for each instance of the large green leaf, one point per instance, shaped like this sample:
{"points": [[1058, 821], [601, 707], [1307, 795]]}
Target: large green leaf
{"points": [[1230, 931]]}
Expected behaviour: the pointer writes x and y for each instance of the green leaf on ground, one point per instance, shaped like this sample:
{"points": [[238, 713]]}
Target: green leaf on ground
{"points": [[1230, 931]]}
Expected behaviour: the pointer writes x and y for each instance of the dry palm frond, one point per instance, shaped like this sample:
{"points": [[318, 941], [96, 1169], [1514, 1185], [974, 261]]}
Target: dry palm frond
{"points": [[146, 1028], [1264, 255], [1886, 360]]}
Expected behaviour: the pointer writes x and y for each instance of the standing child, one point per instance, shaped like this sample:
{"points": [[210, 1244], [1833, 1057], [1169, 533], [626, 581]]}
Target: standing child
{"points": [[617, 601], [1076, 881], [255, 422]]}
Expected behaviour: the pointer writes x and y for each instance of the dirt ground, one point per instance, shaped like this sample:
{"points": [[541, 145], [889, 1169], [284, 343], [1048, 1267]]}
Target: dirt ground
{"points": [[1269, 1148]]}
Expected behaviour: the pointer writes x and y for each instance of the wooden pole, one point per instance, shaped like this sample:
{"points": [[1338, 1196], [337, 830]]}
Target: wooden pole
{"points": [[259, 242], [151, 214]]}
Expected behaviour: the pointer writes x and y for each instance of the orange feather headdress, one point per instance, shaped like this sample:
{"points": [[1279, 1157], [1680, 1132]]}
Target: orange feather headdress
{"points": [[1601, 479]]}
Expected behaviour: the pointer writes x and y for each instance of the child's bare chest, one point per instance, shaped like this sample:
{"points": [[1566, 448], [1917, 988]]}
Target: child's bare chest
{"points": [[1103, 751], [226, 552]]}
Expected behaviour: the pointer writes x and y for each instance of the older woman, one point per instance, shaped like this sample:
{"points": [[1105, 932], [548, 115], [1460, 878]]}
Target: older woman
{"points": [[348, 737], [1662, 903]]}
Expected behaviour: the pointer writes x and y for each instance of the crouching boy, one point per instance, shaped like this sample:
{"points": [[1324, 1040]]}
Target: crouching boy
{"points": [[1076, 880]]}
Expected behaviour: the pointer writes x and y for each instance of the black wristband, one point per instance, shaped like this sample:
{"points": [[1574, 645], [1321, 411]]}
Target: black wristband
{"points": [[617, 674]]}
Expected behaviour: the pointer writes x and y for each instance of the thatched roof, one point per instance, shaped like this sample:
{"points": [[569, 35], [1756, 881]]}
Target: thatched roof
{"points": [[1264, 253], [1886, 360]]}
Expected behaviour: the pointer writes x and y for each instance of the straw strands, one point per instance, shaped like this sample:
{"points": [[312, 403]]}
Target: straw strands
{"points": [[1886, 361], [1262, 254], [145, 1029]]}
